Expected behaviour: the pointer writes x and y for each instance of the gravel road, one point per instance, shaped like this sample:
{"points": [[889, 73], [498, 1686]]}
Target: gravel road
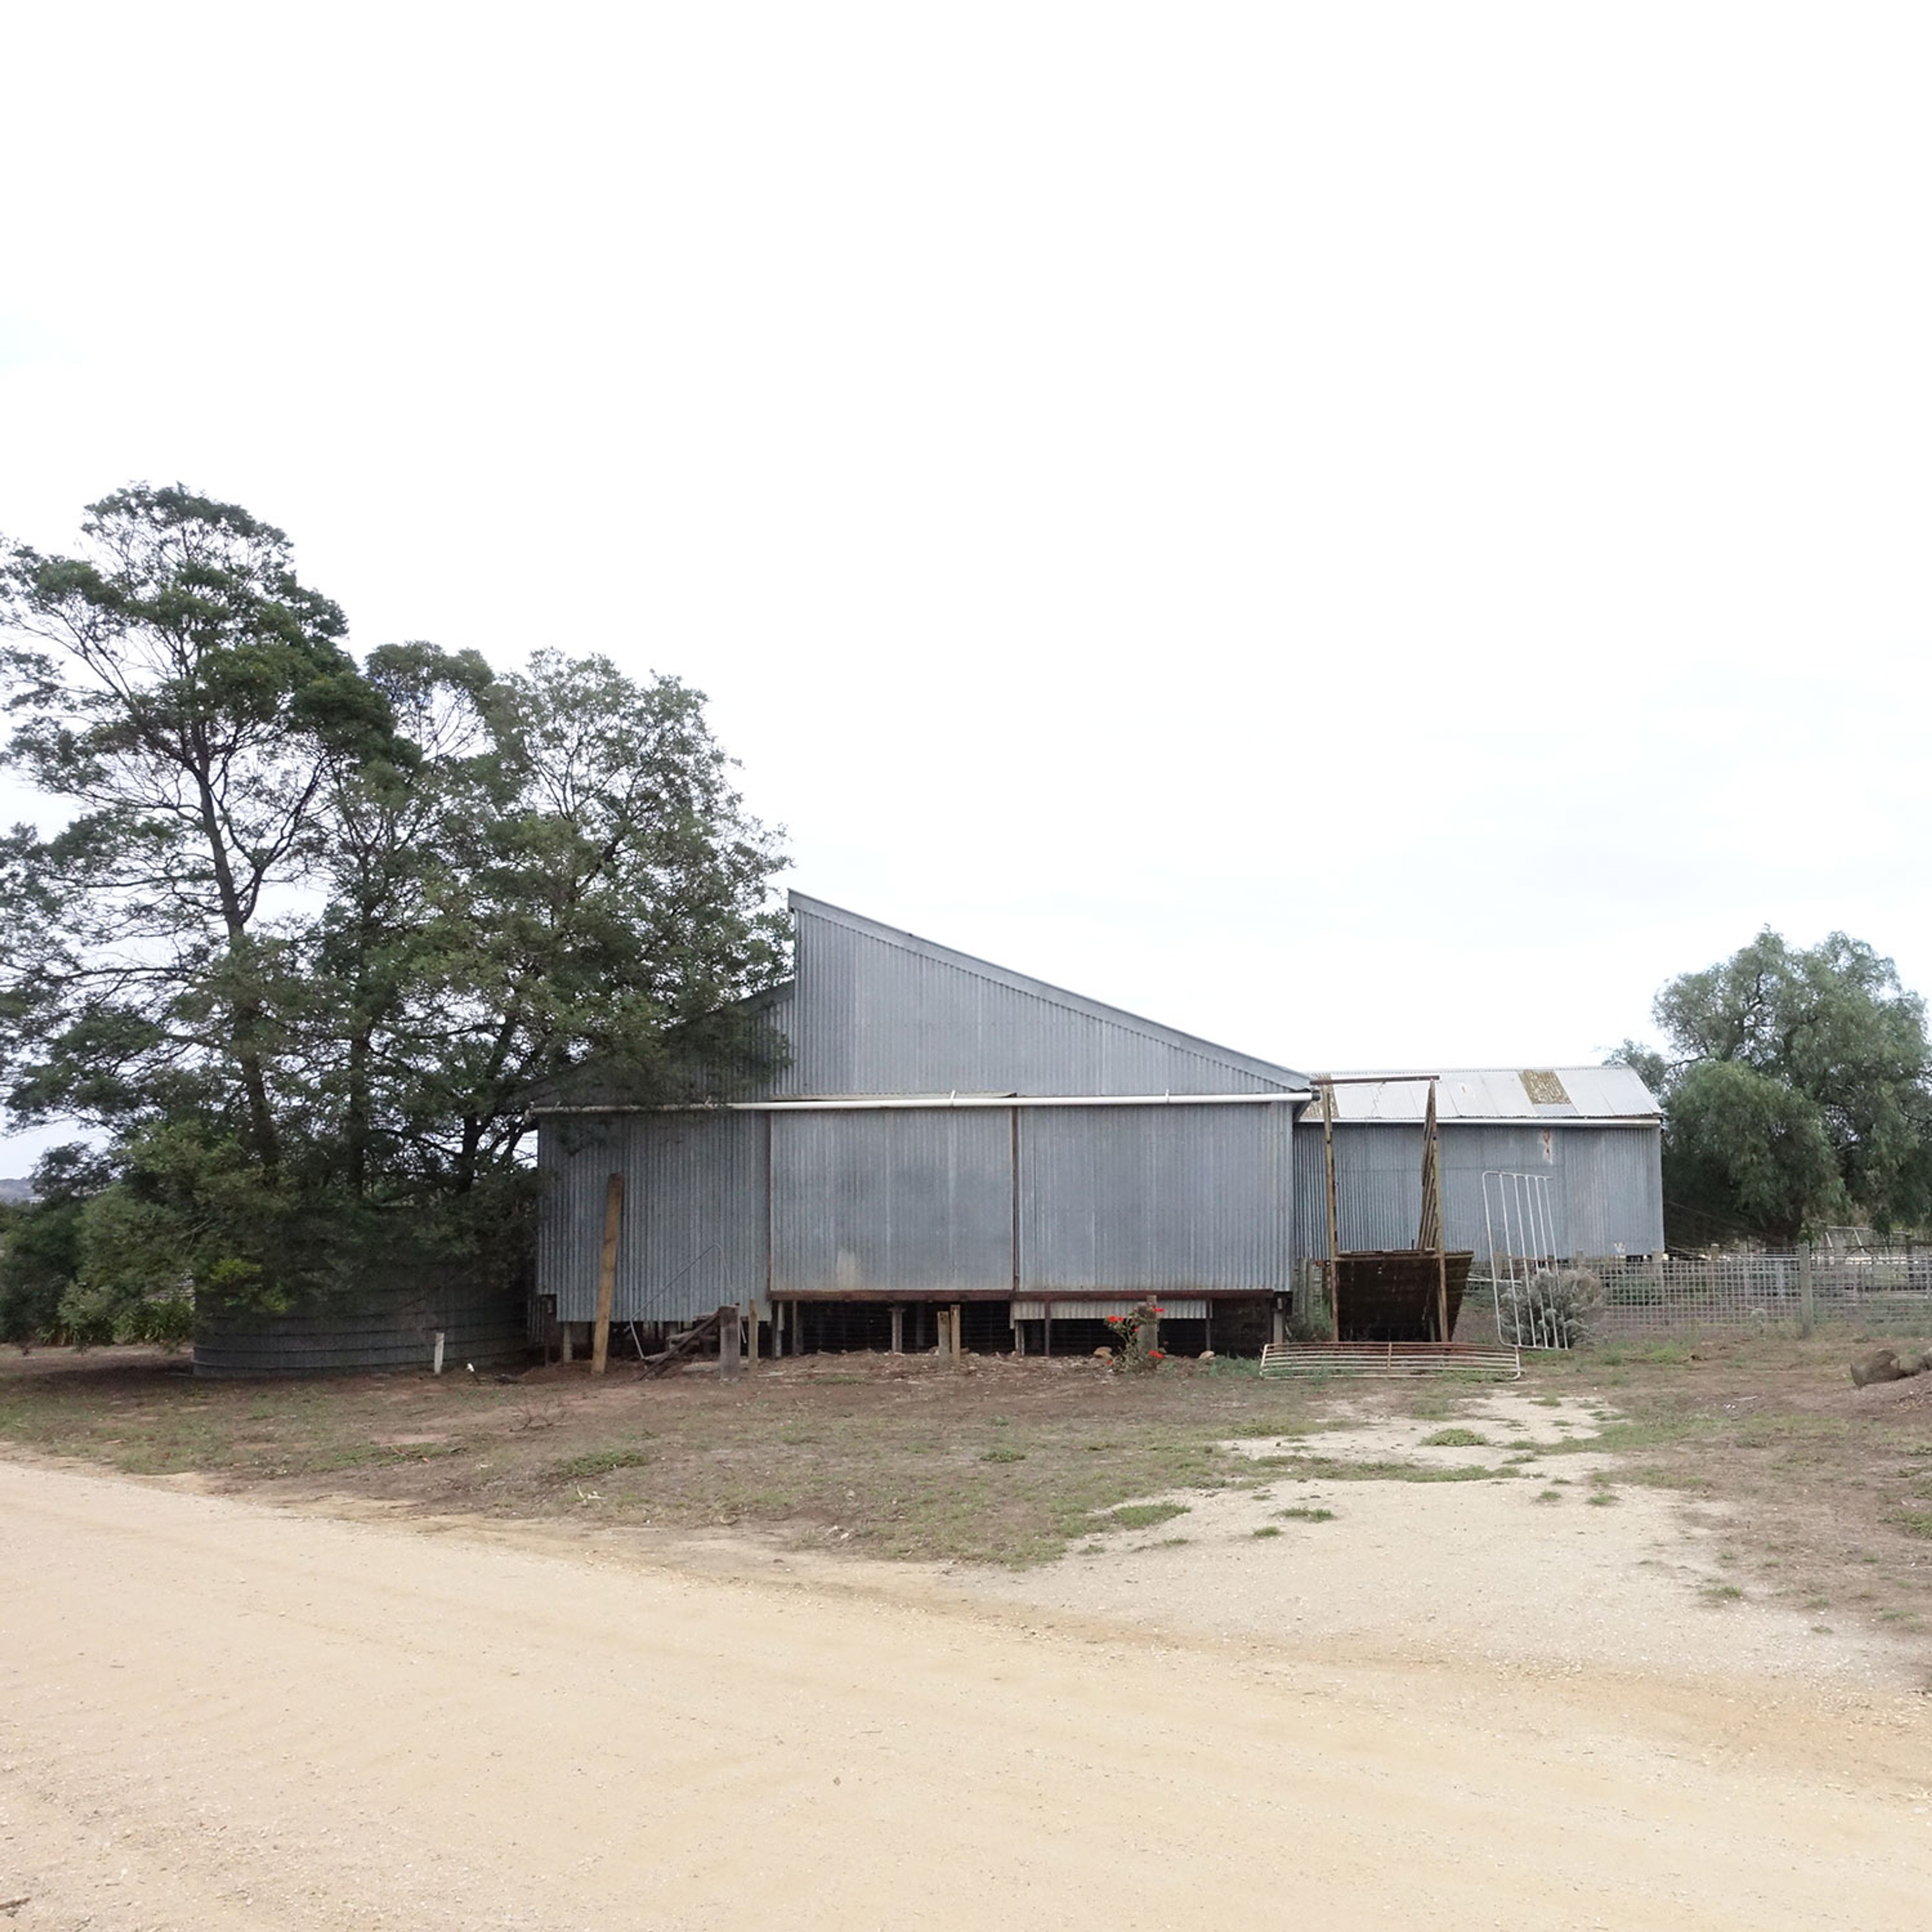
{"points": [[216, 1715]]}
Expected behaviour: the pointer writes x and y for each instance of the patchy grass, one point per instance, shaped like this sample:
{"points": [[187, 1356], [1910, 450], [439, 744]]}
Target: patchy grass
{"points": [[1821, 1486], [1141, 1515], [1675, 1354], [1456, 1439], [1266, 1529], [1002, 1462], [1307, 1513], [1342, 1469], [598, 1463], [1818, 1479]]}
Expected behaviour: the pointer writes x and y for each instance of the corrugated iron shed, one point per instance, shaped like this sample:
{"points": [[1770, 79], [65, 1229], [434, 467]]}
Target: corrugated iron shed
{"points": [[949, 1128]]}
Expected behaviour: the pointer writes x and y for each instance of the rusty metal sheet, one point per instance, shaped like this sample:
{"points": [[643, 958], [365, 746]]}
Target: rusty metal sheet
{"points": [[1391, 1296]]}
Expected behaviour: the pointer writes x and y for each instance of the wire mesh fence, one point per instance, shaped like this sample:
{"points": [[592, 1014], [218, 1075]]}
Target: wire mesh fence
{"points": [[1867, 1291]]}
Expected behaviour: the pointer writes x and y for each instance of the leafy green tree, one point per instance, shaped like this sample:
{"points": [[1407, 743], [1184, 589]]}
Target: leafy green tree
{"points": [[316, 931], [181, 691], [376, 958], [1795, 1092], [40, 1245], [613, 911], [1744, 1152], [565, 874]]}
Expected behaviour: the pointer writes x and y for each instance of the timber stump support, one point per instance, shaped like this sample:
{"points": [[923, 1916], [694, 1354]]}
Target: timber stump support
{"points": [[607, 1275]]}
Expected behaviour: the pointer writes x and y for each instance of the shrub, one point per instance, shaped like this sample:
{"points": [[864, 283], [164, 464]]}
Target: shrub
{"points": [[1555, 1307]]}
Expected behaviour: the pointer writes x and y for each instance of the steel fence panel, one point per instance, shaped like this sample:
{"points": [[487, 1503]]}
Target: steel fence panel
{"points": [[1888, 1292]]}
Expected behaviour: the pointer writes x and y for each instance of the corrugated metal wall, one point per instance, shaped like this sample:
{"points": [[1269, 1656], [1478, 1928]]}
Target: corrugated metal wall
{"points": [[1605, 1192], [870, 1015], [1159, 1199], [1614, 1181], [900, 1200], [1152, 1199], [693, 1233]]}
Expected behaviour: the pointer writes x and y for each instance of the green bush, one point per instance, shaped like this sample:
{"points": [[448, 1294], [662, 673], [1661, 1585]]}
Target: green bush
{"points": [[1556, 1305]]}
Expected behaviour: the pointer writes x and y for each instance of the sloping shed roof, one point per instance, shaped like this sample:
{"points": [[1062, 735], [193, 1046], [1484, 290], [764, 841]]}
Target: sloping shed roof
{"points": [[875, 1009], [1503, 1093]]}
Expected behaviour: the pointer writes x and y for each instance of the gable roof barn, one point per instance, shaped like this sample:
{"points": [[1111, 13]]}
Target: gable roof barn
{"points": [[950, 1131]]}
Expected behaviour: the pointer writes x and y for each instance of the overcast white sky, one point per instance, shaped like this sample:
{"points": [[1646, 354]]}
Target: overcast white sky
{"points": [[1374, 533]]}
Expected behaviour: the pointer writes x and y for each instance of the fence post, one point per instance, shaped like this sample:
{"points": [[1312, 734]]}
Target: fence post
{"points": [[1807, 1310]]}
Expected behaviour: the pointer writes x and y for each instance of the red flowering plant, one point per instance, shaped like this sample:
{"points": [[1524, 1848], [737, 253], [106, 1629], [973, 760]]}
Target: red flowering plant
{"points": [[1135, 1334]]}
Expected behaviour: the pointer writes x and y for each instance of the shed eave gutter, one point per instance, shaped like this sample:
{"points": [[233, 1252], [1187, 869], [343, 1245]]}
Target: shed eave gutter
{"points": [[935, 1103]]}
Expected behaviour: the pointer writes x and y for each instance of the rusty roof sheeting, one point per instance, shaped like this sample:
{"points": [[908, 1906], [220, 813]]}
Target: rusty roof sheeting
{"points": [[1501, 1093]]}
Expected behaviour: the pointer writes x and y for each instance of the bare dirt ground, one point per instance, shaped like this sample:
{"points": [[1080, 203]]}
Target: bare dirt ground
{"points": [[1428, 1701], [1559, 1567]]}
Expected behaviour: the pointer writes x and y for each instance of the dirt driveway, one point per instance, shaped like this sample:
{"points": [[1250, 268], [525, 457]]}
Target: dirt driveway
{"points": [[216, 1714]]}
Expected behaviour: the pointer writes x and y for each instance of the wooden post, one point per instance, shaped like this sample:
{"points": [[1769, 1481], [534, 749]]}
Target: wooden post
{"points": [[958, 1335], [898, 1328], [567, 1331], [1808, 1311], [1326, 1089], [1434, 1158], [752, 1331], [728, 1318], [606, 1274]]}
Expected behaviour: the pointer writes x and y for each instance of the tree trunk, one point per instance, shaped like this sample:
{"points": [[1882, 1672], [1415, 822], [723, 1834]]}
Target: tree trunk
{"points": [[355, 1126], [246, 1012]]}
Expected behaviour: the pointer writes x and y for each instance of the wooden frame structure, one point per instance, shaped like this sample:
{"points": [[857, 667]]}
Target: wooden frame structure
{"points": [[1429, 1235]]}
